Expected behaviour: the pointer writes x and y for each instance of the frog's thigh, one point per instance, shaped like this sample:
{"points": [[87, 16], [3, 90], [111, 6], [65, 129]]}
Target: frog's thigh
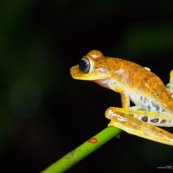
{"points": [[136, 127], [153, 118]]}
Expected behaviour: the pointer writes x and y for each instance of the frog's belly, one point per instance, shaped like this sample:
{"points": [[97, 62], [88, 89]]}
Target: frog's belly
{"points": [[145, 103]]}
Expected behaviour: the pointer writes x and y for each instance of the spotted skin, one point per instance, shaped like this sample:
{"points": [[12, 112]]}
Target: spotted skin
{"points": [[153, 101], [144, 118]]}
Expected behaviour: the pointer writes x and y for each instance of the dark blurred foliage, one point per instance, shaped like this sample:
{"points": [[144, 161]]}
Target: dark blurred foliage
{"points": [[44, 113]]}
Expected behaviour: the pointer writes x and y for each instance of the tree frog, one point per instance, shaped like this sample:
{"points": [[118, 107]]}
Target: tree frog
{"points": [[153, 100]]}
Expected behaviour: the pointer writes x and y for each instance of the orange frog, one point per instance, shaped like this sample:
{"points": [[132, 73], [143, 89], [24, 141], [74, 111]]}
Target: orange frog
{"points": [[153, 101]]}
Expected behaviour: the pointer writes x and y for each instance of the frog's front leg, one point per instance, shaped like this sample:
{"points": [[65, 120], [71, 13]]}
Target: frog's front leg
{"points": [[125, 101], [169, 86], [137, 127]]}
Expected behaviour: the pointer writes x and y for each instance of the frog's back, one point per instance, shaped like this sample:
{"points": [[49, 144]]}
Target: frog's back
{"points": [[146, 84]]}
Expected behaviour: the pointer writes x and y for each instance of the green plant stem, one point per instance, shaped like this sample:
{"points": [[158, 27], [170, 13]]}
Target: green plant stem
{"points": [[82, 151]]}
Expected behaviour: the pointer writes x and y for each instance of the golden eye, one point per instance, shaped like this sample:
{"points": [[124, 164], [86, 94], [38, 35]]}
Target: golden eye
{"points": [[84, 65]]}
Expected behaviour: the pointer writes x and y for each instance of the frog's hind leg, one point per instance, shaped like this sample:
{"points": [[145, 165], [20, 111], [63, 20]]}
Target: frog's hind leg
{"points": [[153, 118], [169, 86], [136, 127]]}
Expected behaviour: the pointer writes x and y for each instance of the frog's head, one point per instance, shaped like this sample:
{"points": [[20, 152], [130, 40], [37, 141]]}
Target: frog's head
{"points": [[92, 67]]}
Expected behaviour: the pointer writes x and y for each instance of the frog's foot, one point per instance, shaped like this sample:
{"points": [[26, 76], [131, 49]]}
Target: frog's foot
{"points": [[169, 86], [136, 127], [153, 118]]}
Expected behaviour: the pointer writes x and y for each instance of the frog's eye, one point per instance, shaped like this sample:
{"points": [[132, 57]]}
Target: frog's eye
{"points": [[84, 65]]}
